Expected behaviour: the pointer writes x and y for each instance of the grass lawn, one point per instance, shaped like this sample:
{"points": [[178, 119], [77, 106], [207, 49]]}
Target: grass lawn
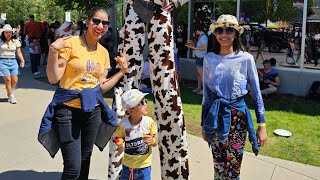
{"points": [[295, 114]]}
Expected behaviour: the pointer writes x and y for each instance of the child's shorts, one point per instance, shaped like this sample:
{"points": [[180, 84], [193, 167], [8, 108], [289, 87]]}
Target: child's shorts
{"points": [[8, 67], [138, 174]]}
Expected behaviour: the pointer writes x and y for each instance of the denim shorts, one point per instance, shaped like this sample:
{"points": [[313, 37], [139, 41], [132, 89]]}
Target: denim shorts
{"points": [[8, 67], [176, 61], [138, 174], [199, 62]]}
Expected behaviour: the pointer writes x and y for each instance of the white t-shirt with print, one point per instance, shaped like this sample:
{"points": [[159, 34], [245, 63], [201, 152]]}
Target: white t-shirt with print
{"points": [[137, 153], [9, 51]]}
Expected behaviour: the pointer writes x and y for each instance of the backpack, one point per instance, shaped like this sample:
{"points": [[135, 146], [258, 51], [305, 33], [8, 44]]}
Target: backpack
{"points": [[314, 91]]}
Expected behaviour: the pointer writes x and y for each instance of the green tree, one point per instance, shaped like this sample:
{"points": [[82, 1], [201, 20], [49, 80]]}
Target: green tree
{"points": [[260, 11], [284, 10], [16, 10], [46, 10], [181, 15], [82, 5], [226, 7]]}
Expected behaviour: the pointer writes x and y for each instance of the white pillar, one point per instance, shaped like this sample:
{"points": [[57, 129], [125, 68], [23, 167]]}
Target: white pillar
{"points": [[303, 38], [189, 25], [238, 10], [68, 16]]}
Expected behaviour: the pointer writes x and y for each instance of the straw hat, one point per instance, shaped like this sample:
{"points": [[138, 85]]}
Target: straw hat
{"points": [[227, 20]]}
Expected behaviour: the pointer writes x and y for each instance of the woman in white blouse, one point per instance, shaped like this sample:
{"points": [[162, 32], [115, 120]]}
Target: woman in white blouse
{"points": [[9, 67]]}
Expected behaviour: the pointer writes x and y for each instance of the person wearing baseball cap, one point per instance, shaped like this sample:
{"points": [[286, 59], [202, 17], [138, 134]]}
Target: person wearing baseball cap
{"points": [[228, 73], [9, 68], [138, 132], [132, 98]]}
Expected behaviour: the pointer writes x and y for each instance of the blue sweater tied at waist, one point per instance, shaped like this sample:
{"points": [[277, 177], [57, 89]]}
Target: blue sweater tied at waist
{"points": [[89, 97], [211, 123]]}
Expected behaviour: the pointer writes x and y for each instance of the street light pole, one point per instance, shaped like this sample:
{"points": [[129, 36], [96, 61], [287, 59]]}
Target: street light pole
{"points": [[114, 24], [38, 11]]}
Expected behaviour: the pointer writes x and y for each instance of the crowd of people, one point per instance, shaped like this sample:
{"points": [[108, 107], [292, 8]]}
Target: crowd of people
{"points": [[254, 38]]}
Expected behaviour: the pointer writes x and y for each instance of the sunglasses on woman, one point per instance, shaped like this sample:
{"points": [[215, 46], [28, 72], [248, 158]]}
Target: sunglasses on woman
{"points": [[97, 21], [228, 30], [143, 102]]}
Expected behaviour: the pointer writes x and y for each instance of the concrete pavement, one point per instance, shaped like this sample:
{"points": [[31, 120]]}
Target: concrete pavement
{"points": [[23, 158]]}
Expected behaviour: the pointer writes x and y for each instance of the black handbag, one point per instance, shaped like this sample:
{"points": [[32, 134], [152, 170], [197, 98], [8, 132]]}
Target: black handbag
{"points": [[145, 10]]}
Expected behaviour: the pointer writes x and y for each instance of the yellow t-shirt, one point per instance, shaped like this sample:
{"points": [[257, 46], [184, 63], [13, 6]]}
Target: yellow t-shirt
{"points": [[84, 67], [137, 153]]}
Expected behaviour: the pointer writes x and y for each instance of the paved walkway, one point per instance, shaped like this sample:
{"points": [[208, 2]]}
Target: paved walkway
{"points": [[23, 158]]}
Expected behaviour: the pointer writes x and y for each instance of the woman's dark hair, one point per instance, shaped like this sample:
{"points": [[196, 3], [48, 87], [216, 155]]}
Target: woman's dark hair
{"points": [[94, 10], [3, 38], [237, 46], [199, 28], [266, 62], [81, 25]]}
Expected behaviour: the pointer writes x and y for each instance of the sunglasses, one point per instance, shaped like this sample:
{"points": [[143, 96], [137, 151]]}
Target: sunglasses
{"points": [[219, 30], [143, 102], [97, 21]]}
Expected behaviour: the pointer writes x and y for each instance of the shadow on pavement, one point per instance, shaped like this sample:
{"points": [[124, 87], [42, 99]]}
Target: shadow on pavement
{"points": [[28, 81], [3, 100], [29, 174]]}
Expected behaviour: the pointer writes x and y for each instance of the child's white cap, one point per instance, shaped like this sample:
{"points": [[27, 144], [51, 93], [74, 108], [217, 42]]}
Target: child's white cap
{"points": [[132, 98]]}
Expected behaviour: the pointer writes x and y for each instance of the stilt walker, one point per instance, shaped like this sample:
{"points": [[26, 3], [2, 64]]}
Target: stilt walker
{"points": [[172, 137]]}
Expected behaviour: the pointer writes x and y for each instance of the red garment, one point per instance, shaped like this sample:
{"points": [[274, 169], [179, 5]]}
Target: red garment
{"points": [[33, 29]]}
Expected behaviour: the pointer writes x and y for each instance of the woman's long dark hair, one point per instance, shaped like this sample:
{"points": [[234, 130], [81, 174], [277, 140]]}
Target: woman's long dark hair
{"points": [[3, 38], [93, 11], [237, 46]]}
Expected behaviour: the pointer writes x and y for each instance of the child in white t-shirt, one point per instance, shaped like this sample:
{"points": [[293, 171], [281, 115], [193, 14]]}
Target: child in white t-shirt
{"points": [[139, 133]]}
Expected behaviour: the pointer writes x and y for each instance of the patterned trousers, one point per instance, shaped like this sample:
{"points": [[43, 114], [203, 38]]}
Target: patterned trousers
{"points": [[228, 156]]}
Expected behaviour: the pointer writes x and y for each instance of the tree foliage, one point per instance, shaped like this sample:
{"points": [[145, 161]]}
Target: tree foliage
{"points": [[45, 10], [16, 10], [262, 10], [226, 7], [82, 5], [283, 10], [181, 14]]}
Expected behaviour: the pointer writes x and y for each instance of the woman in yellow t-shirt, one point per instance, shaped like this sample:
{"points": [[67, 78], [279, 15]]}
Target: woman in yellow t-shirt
{"points": [[80, 62]]}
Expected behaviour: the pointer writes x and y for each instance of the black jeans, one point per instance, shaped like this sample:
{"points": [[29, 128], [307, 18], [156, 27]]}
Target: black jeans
{"points": [[35, 60], [77, 132]]}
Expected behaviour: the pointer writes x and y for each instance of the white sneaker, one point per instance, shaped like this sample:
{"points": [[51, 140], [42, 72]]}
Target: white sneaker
{"points": [[200, 92], [196, 90], [12, 99]]}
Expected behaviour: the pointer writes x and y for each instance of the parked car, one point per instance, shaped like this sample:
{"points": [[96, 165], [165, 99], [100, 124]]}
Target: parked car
{"points": [[275, 41]]}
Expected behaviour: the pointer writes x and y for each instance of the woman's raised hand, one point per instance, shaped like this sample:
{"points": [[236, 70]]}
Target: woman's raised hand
{"points": [[122, 62], [167, 6], [60, 44]]}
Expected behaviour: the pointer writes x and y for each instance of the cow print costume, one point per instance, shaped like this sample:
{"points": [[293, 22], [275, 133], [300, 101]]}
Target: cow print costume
{"points": [[172, 136]]}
